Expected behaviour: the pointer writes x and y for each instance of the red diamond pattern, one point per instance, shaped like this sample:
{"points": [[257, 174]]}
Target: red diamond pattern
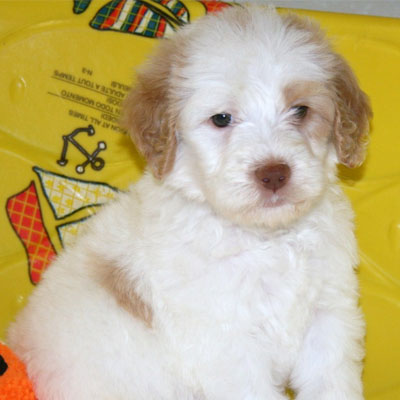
{"points": [[23, 210]]}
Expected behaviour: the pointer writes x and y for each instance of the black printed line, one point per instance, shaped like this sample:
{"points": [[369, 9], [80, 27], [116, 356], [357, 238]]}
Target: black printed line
{"points": [[86, 105], [88, 88]]}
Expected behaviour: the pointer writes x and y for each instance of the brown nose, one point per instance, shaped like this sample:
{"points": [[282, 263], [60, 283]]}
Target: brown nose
{"points": [[273, 176]]}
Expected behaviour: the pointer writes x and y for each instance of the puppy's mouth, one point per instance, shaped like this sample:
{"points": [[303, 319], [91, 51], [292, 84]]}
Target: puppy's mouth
{"points": [[273, 201]]}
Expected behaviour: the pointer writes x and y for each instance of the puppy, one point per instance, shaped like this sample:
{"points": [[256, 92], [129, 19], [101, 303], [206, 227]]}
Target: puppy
{"points": [[227, 272]]}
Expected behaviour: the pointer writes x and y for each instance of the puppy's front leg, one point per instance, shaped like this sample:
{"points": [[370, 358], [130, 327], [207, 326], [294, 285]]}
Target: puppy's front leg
{"points": [[227, 389], [330, 363], [244, 376]]}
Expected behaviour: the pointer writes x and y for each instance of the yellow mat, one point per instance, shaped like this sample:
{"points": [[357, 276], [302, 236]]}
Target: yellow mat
{"points": [[65, 66]]}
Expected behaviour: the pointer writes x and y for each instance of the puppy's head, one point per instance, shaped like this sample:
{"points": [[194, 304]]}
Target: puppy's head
{"points": [[249, 111]]}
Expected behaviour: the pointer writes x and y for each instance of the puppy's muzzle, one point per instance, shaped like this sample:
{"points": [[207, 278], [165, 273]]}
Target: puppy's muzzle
{"points": [[273, 176]]}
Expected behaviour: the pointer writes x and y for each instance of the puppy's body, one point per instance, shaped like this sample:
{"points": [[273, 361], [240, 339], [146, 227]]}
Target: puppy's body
{"points": [[208, 283], [231, 309]]}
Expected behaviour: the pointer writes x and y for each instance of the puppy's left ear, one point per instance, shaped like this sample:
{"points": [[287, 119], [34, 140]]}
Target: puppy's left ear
{"points": [[148, 112], [353, 112]]}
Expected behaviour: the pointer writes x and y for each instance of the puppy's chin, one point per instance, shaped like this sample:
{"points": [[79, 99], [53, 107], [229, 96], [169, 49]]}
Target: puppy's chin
{"points": [[271, 216], [273, 201]]}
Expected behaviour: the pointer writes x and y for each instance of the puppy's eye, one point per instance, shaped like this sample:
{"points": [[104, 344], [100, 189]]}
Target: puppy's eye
{"points": [[221, 120], [300, 112]]}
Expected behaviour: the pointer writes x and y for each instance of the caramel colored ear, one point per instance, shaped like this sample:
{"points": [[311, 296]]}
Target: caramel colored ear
{"points": [[352, 114], [148, 113]]}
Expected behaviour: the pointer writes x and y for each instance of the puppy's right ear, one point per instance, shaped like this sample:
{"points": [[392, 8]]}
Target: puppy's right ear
{"points": [[353, 112], [148, 113]]}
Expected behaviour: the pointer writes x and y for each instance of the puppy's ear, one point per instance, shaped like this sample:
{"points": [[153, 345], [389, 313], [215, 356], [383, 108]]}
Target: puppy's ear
{"points": [[352, 114], [148, 113]]}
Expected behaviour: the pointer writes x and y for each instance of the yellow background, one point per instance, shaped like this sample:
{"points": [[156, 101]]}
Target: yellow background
{"points": [[37, 38]]}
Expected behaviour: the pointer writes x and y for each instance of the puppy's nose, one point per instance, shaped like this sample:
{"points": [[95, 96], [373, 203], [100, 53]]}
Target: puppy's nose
{"points": [[273, 176]]}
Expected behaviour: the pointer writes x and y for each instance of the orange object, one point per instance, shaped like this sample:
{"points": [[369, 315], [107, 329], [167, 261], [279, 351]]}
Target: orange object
{"points": [[14, 381]]}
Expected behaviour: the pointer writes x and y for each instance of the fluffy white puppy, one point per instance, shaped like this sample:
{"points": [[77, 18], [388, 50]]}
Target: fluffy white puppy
{"points": [[227, 272]]}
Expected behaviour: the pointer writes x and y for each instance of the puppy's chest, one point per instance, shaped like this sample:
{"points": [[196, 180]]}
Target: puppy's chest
{"points": [[263, 287], [277, 291]]}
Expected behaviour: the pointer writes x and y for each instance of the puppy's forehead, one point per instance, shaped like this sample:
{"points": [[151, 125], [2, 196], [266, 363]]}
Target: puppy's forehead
{"points": [[249, 45]]}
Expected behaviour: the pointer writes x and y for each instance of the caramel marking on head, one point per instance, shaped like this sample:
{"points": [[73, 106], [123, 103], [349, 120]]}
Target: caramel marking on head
{"points": [[319, 117]]}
